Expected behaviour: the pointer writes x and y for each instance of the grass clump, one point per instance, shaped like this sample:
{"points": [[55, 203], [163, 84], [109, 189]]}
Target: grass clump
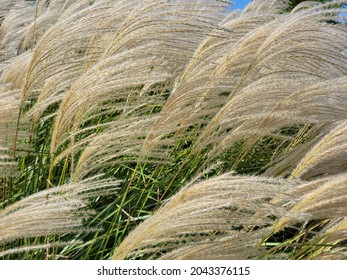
{"points": [[172, 130]]}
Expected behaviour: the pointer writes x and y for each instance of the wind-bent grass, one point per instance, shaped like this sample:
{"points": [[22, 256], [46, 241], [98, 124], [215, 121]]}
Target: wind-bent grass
{"points": [[172, 129]]}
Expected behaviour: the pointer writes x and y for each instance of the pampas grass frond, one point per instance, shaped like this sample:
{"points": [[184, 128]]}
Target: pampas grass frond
{"points": [[237, 208], [9, 109], [136, 48], [328, 156], [233, 207], [55, 211], [13, 28], [44, 247]]}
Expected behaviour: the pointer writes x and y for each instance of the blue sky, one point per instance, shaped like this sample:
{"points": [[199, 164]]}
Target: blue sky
{"points": [[240, 4]]}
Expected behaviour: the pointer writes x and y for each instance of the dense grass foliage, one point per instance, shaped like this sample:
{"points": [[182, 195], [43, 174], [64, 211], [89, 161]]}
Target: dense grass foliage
{"points": [[173, 130]]}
